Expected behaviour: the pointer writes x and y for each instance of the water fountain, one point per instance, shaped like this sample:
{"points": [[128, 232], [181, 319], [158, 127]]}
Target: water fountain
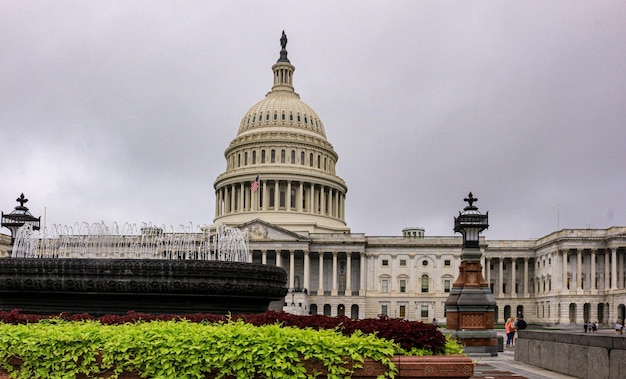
{"points": [[101, 270]]}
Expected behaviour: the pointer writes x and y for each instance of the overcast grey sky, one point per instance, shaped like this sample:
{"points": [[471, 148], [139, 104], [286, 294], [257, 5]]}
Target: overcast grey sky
{"points": [[121, 110]]}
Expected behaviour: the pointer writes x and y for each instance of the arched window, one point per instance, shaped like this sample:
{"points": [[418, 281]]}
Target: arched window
{"points": [[282, 156], [239, 160], [425, 283], [293, 198], [262, 156], [313, 309], [311, 159], [302, 157], [267, 117], [293, 156], [341, 310], [254, 157], [354, 311], [245, 158], [326, 309], [273, 156]]}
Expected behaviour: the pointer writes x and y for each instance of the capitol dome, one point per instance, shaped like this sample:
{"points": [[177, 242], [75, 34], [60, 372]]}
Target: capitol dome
{"points": [[280, 167]]}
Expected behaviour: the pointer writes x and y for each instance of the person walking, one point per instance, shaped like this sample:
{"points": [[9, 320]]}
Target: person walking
{"points": [[509, 328]]}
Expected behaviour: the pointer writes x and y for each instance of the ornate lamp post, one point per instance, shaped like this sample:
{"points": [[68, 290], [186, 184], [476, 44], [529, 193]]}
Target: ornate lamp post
{"points": [[19, 217], [470, 306]]}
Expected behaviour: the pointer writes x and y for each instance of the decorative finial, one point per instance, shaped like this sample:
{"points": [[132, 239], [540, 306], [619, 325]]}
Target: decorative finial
{"points": [[283, 50], [22, 200], [470, 200]]}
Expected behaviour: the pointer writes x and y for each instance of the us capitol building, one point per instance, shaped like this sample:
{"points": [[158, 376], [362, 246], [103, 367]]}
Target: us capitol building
{"points": [[280, 185]]}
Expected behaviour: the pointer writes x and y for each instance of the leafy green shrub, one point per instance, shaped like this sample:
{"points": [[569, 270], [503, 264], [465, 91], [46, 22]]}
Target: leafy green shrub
{"points": [[168, 349]]}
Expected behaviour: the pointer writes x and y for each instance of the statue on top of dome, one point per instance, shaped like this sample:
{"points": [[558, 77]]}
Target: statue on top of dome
{"points": [[283, 50]]}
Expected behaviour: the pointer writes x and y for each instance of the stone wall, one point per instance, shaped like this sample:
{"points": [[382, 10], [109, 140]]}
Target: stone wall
{"points": [[593, 356]]}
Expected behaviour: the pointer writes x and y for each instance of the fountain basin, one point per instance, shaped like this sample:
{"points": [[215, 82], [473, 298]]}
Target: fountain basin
{"points": [[157, 286]]}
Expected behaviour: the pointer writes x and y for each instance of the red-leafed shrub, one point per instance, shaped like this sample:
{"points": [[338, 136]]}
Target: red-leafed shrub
{"points": [[408, 334]]}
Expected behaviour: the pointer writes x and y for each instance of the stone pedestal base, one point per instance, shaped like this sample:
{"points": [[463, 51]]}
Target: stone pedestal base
{"points": [[478, 341]]}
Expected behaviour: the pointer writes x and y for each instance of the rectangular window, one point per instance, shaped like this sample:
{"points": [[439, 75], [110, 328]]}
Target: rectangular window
{"points": [[446, 285], [385, 262], [384, 285], [402, 262], [424, 312], [402, 311], [402, 285], [446, 263], [384, 310]]}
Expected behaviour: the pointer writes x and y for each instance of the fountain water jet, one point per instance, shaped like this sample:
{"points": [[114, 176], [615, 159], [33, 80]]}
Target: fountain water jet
{"points": [[98, 270]]}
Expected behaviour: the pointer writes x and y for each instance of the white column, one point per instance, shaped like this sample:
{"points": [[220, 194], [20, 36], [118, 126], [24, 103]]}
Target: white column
{"points": [[307, 271], [362, 274], [322, 200], [241, 197], [348, 274], [226, 199], [300, 198], [525, 276], [613, 268], [513, 292], [564, 270], [607, 273], [276, 195], [312, 198], [579, 269], [288, 196], [620, 270], [488, 271], [264, 256], [320, 287], [292, 268], [279, 262], [217, 202], [500, 276], [232, 198], [333, 291], [593, 271], [265, 195]]}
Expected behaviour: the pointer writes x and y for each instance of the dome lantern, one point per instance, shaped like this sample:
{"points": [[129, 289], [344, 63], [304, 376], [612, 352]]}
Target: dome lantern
{"points": [[283, 69]]}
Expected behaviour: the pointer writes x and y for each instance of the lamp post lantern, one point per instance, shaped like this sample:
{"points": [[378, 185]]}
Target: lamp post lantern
{"points": [[470, 306], [19, 217]]}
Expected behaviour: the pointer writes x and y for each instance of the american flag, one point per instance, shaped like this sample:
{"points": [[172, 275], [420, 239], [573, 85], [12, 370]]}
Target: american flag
{"points": [[255, 185]]}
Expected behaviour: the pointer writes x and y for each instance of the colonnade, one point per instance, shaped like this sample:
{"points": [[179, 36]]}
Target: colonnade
{"points": [[281, 195], [301, 262], [563, 270]]}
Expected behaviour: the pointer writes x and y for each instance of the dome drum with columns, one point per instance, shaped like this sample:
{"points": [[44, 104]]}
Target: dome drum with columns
{"points": [[282, 141]]}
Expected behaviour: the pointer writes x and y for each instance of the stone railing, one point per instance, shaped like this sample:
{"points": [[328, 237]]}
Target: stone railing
{"points": [[592, 356]]}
